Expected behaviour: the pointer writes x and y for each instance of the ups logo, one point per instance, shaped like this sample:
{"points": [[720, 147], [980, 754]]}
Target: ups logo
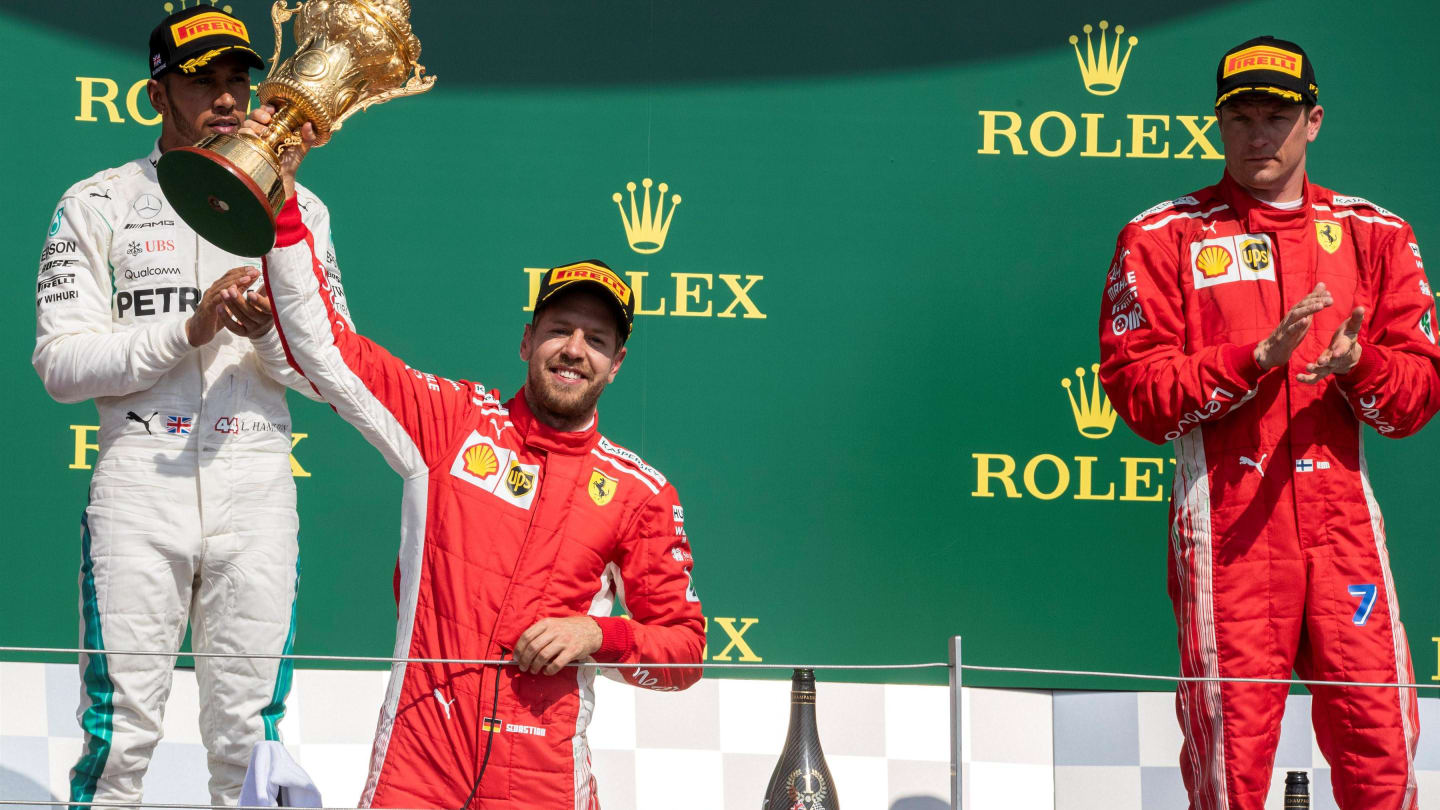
{"points": [[1255, 254], [519, 480]]}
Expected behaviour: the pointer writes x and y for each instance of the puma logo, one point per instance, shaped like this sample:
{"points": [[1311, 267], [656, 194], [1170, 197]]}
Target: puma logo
{"points": [[1246, 461], [131, 417], [1208, 228], [104, 196], [443, 703]]}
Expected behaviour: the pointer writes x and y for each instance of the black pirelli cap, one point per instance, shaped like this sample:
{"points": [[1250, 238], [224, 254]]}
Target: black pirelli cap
{"points": [[1266, 65]]}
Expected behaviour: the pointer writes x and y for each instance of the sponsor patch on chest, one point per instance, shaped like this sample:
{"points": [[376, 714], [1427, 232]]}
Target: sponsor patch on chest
{"points": [[497, 470], [1329, 234], [601, 487], [1228, 259]]}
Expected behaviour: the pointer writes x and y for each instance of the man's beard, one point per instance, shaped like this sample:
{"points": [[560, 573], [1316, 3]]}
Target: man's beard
{"points": [[563, 405], [188, 131], [185, 129]]}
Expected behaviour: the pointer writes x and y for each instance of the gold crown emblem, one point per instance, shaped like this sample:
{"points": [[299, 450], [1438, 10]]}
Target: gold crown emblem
{"points": [[1102, 76], [171, 9], [1094, 416], [645, 228], [480, 461]]}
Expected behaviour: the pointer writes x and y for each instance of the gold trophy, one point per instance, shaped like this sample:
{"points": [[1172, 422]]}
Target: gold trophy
{"points": [[351, 55]]}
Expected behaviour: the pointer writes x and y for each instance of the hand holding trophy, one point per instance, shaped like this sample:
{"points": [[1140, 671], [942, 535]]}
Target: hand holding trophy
{"points": [[351, 55]]}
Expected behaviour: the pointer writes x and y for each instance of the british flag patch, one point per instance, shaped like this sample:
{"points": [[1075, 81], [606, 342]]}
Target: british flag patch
{"points": [[179, 424]]}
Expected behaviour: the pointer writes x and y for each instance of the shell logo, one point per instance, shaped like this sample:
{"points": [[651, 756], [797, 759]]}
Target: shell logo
{"points": [[1213, 261], [480, 461]]}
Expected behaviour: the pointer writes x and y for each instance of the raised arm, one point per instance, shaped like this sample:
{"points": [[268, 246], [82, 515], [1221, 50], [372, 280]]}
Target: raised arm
{"points": [[268, 348], [409, 416]]}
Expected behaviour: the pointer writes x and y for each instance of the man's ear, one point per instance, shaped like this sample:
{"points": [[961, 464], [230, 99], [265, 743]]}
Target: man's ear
{"points": [[1312, 123], [615, 366], [159, 98], [525, 346]]}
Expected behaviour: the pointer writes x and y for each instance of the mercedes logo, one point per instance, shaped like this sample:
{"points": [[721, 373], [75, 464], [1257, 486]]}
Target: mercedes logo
{"points": [[147, 206]]}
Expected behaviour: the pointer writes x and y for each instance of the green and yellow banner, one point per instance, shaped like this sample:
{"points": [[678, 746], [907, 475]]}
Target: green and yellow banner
{"points": [[866, 243]]}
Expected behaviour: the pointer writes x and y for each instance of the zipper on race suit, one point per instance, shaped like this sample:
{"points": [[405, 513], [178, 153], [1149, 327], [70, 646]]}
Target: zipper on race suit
{"points": [[524, 547]]}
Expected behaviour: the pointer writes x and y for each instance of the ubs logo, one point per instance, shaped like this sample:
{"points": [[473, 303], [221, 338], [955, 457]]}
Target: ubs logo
{"points": [[151, 246]]}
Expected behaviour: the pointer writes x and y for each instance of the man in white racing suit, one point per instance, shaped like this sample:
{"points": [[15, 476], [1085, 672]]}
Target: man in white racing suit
{"points": [[191, 512]]}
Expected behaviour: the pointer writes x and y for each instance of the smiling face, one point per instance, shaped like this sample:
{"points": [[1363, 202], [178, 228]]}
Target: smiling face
{"points": [[212, 100], [574, 350], [1265, 144]]}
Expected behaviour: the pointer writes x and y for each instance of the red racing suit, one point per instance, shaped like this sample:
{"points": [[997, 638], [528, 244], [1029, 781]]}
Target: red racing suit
{"points": [[1278, 553], [504, 522]]}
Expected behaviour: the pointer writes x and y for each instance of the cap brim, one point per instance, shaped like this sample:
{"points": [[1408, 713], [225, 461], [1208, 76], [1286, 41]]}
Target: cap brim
{"points": [[1288, 95], [626, 325], [201, 57], [255, 60]]}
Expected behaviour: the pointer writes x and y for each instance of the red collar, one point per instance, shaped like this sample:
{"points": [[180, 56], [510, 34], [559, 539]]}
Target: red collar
{"points": [[1259, 217], [538, 435]]}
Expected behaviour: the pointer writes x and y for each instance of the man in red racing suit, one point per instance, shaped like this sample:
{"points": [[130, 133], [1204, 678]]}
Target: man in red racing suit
{"points": [[1278, 555], [512, 531]]}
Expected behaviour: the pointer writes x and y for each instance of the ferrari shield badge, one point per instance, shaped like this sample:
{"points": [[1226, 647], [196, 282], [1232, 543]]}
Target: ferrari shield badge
{"points": [[1328, 234], [601, 488]]}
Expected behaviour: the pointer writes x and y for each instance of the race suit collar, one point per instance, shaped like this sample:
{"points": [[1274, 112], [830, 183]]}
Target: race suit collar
{"points": [[543, 437], [1259, 217], [151, 159]]}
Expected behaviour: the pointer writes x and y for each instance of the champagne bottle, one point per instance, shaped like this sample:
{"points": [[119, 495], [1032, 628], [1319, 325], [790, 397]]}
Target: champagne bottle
{"points": [[801, 780], [1297, 790]]}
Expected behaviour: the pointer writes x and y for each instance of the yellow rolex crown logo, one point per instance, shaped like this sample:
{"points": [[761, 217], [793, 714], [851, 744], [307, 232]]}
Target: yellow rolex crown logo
{"points": [[171, 8], [1102, 75], [1094, 416], [646, 227]]}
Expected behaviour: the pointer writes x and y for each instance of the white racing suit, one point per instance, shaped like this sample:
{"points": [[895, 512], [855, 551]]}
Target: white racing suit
{"points": [[192, 504]]}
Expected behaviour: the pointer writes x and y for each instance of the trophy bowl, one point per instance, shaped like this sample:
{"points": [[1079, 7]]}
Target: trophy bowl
{"points": [[350, 55]]}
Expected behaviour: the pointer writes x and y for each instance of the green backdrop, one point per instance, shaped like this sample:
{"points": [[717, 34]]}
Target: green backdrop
{"points": [[914, 285]]}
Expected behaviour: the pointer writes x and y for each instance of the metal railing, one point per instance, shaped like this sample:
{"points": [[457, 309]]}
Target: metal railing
{"points": [[955, 666]]}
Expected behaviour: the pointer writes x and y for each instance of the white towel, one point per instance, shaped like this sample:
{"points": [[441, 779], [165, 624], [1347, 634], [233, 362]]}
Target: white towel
{"points": [[275, 780]]}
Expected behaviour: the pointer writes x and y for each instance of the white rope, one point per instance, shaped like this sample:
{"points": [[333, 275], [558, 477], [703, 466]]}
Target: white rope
{"points": [[55, 802], [1193, 679], [475, 661], [739, 666]]}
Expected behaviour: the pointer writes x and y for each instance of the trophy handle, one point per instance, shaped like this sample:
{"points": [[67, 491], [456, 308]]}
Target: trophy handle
{"points": [[279, 15], [417, 84]]}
